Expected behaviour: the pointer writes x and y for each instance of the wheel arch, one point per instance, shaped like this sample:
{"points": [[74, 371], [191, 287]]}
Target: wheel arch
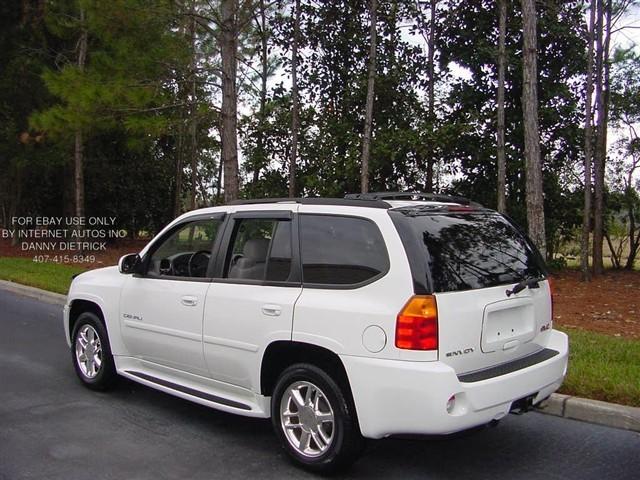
{"points": [[79, 306], [281, 354]]}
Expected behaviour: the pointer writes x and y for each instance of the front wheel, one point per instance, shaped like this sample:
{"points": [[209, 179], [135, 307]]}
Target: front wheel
{"points": [[314, 419], [91, 353]]}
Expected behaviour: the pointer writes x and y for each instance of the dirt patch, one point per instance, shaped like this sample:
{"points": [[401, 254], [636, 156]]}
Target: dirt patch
{"points": [[609, 304]]}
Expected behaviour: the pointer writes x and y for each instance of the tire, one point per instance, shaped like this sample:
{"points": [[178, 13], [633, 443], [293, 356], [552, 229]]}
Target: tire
{"points": [[327, 437], [95, 367]]}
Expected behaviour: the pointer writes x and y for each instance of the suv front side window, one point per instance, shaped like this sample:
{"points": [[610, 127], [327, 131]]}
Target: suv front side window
{"points": [[186, 251]]}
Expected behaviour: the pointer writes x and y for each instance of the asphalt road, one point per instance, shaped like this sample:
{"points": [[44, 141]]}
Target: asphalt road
{"points": [[52, 427]]}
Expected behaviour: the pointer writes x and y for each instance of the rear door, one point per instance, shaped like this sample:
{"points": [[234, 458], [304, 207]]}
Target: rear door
{"points": [[250, 303], [474, 259]]}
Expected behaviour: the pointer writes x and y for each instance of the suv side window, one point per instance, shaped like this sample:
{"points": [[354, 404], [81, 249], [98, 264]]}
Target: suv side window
{"points": [[186, 251], [339, 250], [260, 250]]}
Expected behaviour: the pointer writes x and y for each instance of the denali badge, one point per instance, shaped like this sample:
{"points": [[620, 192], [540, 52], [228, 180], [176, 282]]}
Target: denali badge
{"points": [[455, 353], [128, 316]]}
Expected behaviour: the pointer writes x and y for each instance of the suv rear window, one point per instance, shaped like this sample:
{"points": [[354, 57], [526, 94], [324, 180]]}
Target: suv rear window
{"points": [[339, 250], [467, 251]]}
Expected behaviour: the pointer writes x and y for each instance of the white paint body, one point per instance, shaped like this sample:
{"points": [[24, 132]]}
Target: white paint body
{"points": [[216, 341]]}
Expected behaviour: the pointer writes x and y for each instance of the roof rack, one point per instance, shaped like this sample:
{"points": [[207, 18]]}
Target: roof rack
{"points": [[347, 202], [371, 200], [432, 197]]}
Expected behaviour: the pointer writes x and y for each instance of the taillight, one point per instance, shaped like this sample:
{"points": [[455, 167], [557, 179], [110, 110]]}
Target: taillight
{"points": [[417, 324]]}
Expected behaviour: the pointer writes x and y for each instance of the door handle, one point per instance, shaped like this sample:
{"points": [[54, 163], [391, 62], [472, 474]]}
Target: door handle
{"points": [[189, 301], [272, 310]]}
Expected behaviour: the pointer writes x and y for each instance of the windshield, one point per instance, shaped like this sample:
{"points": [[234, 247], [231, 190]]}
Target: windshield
{"points": [[474, 250]]}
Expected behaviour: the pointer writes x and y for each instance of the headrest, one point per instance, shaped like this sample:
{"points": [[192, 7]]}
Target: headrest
{"points": [[256, 249]]}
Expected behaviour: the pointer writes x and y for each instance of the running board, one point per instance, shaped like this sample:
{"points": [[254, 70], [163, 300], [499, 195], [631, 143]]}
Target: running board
{"points": [[189, 391]]}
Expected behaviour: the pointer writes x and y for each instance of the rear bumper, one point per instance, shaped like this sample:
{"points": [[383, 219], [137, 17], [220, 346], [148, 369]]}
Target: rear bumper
{"points": [[401, 397]]}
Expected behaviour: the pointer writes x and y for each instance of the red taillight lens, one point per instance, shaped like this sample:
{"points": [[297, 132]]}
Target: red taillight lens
{"points": [[417, 324]]}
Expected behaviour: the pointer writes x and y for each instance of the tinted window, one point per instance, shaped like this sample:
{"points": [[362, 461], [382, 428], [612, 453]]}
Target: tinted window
{"points": [[260, 250], [474, 250], [186, 251], [341, 250]]}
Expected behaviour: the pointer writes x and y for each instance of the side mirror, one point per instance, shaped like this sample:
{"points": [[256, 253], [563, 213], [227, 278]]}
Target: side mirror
{"points": [[129, 263]]}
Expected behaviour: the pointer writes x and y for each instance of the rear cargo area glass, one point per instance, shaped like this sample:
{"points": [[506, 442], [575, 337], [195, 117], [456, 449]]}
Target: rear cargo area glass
{"points": [[468, 251]]}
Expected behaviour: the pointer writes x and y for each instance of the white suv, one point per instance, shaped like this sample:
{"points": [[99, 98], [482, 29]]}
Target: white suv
{"points": [[340, 319]]}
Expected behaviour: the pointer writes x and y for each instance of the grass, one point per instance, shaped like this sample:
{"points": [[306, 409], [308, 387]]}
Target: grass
{"points": [[48, 276], [603, 367]]}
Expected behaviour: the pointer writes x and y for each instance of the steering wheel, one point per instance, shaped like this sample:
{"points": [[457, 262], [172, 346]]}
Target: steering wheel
{"points": [[198, 263]]}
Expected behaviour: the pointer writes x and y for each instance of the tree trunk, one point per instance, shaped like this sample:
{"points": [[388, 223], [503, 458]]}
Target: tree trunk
{"points": [[16, 204], [598, 267], [295, 107], [633, 239], [229, 110], [193, 114], [177, 199], [633, 252], [588, 149], [535, 200], [368, 119], [615, 254], [180, 135], [502, 60], [219, 184], [78, 151], [264, 60], [600, 171], [431, 95]]}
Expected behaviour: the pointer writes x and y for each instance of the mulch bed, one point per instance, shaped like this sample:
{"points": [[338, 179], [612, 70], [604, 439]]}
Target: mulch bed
{"points": [[608, 304]]}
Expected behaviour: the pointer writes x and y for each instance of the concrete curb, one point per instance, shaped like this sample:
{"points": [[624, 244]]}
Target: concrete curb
{"points": [[592, 411], [32, 292]]}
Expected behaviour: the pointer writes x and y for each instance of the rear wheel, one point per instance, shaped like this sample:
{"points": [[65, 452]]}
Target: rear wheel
{"points": [[91, 353], [314, 420]]}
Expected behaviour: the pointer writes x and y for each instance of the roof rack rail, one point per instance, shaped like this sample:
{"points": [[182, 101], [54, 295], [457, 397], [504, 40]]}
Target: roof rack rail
{"points": [[433, 197], [347, 202]]}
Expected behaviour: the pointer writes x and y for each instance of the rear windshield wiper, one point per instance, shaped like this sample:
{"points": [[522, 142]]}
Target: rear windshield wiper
{"points": [[530, 282]]}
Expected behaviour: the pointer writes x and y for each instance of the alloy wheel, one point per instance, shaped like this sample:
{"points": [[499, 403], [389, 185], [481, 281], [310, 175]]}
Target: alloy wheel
{"points": [[88, 351], [307, 419]]}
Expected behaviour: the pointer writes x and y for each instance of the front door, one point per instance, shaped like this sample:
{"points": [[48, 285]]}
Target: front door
{"points": [[161, 310]]}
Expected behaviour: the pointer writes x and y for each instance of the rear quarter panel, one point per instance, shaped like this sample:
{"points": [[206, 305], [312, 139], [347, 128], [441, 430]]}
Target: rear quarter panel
{"points": [[336, 318]]}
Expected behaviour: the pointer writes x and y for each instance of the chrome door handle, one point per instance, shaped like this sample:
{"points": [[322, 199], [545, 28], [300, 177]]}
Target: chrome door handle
{"points": [[272, 310], [189, 301]]}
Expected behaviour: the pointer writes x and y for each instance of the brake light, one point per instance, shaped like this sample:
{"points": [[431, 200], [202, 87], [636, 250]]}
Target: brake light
{"points": [[417, 324]]}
